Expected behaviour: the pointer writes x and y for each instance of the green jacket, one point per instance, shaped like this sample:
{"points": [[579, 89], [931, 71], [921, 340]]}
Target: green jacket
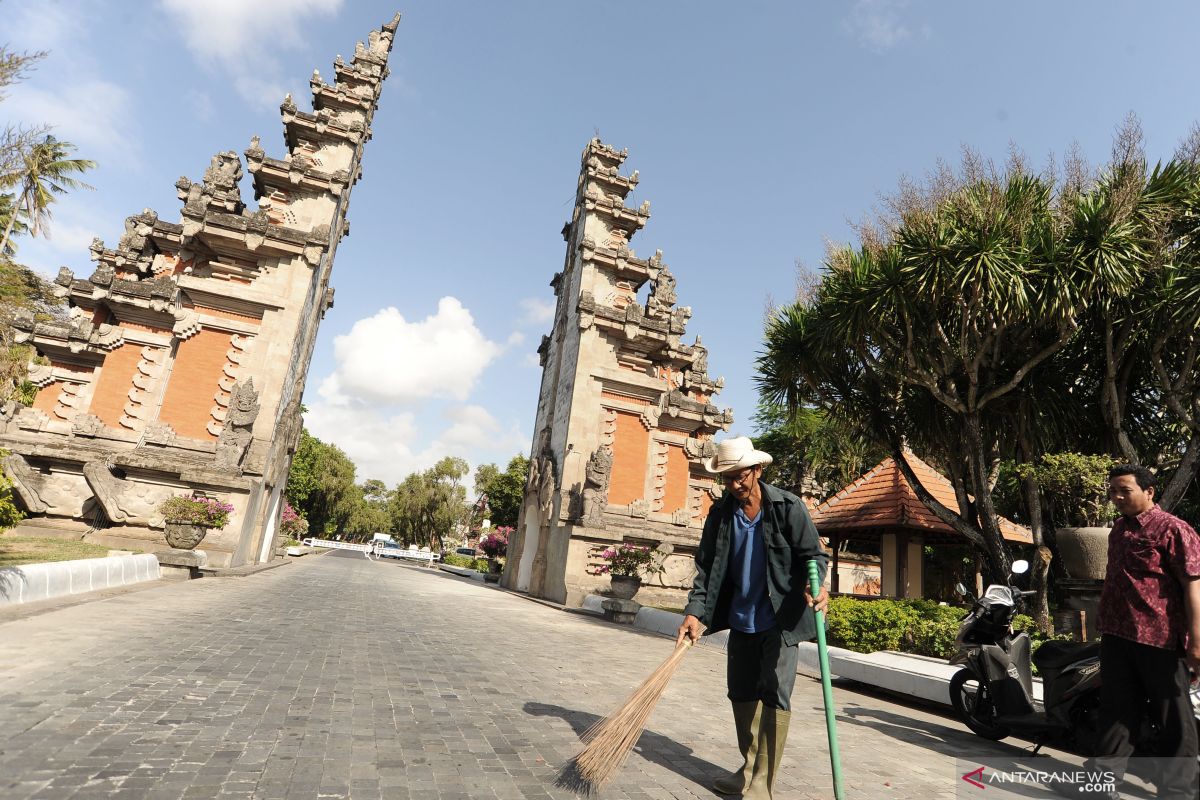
{"points": [[791, 541]]}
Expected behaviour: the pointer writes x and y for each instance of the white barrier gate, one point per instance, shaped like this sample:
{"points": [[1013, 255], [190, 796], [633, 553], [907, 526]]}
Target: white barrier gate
{"points": [[365, 549]]}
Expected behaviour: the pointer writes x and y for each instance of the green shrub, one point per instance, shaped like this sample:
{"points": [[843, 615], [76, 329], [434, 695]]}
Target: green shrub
{"points": [[920, 627], [466, 562]]}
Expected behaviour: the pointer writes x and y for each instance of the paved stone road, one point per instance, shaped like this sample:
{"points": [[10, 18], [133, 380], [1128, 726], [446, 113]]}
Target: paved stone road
{"points": [[339, 677]]}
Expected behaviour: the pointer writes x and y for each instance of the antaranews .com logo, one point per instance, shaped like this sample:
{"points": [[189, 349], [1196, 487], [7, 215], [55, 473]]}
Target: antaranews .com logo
{"points": [[1085, 782]]}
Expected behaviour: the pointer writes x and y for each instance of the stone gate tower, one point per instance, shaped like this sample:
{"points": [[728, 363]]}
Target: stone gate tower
{"points": [[625, 411], [181, 365]]}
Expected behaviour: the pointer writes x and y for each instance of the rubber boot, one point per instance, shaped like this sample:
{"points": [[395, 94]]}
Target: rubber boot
{"points": [[746, 717], [772, 736]]}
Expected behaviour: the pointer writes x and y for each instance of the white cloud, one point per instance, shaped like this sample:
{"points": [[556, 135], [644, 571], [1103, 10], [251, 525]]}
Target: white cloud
{"points": [[67, 90], [385, 358], [389, 446], [90, 113], [535, 311], [376, 404], [237, 38], [877, 24]]}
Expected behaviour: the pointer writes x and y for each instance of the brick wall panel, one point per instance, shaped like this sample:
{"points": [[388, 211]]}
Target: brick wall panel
{"points": [[631, 443]]}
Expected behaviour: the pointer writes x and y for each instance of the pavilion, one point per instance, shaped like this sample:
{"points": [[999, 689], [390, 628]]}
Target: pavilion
{"points": [[881, 510]]}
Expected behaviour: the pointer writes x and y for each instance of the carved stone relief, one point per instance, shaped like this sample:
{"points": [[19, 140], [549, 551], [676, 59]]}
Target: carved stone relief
{"points": [[61, 494], [124, 501]]}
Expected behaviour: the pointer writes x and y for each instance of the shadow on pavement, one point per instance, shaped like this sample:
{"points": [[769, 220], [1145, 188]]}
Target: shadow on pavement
{"points": [[654, 747], [1015, 754]]}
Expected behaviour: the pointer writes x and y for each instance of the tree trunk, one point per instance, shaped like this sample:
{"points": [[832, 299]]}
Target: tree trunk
{"points": [[1041, 566], [999, 561], [951, 518], [1185, 473]]}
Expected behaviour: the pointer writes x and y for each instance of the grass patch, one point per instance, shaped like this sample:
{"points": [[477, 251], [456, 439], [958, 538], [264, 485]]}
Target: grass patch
{"points": [[17, 550]]}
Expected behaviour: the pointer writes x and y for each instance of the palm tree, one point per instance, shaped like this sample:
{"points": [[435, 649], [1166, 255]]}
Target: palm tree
{"points": [[47, 172]]}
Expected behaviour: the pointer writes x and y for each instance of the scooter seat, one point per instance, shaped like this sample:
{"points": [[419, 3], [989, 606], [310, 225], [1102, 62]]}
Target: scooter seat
{"points": [[1054, 655]]}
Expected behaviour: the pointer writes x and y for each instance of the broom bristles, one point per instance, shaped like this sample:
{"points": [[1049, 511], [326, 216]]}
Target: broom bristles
{"points": [[610, 740]]}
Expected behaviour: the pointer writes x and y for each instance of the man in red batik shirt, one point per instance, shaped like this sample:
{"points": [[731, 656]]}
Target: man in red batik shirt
{"points": [[1150, 621]]}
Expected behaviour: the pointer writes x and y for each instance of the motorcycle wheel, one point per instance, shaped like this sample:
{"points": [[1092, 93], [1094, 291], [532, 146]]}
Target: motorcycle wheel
{"points": [[973, 704]]}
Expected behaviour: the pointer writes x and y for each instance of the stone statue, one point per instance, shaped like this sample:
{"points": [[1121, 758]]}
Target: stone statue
{"points": [[239, 423], [700, 362], [662, 294], [595, 486], [546, 491]]}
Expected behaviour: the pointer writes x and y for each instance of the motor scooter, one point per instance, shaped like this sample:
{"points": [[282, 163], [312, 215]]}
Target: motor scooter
{"points": [[993, 693]]}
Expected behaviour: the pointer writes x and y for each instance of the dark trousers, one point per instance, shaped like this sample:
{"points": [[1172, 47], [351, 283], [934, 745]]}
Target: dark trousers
{"points": [[761, 667], [1140, 680]]}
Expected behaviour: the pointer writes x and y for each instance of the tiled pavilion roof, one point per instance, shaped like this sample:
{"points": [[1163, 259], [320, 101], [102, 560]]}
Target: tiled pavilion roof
{"points": [[882, 499]]}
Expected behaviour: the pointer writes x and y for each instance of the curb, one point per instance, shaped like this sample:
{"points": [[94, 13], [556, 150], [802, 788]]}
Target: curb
{"points": [[33, 582]]}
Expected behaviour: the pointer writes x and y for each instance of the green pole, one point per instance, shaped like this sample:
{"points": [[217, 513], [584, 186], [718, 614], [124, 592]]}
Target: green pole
{"points": [[835, 761]]}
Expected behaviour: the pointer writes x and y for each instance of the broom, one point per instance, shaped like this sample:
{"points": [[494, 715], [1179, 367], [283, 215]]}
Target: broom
{"points": [[609, 741]]}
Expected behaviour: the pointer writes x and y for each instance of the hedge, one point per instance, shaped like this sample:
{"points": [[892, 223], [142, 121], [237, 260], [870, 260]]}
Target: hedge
{"points": [[456, 560], [921, 627]]}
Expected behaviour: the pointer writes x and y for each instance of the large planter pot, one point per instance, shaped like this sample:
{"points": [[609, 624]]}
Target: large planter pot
{"points": [[625, 587], [183, 536], [1084, 552]]}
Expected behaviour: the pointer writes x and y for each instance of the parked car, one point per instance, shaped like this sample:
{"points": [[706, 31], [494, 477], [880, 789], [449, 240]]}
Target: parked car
{"points": [[469, 552]]}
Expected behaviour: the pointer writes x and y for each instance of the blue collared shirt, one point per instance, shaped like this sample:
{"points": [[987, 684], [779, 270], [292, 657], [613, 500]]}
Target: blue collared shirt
{"points": [[750, 611]]}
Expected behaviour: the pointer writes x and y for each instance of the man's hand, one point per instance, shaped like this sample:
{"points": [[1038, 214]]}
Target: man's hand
{"points": [[821, 603], [1192, 656], [691, 628]]}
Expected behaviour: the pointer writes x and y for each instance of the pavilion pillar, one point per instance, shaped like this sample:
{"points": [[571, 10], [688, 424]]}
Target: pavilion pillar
{"points": [[889, 566], [915, 567], [836, 582]]}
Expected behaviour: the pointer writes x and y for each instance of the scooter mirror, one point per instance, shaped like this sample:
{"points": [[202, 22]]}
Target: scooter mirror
{"points": [[1020, 567], [960, 590]]}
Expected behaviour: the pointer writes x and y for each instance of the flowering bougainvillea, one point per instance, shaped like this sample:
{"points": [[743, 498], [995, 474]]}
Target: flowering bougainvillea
{"points": [[291, 524], [206, 511], [495, 544], [629, 560]]}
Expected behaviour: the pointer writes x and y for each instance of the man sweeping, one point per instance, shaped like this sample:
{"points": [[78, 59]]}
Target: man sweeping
{"points": [[752, 578]]}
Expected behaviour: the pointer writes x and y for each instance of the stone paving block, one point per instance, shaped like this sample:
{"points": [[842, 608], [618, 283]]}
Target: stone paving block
{"points": [[233, 688]]}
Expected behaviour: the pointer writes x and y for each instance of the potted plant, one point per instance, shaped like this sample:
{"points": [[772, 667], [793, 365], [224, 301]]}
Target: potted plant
{"points": [[495, 547], [189, 518], [1074, 487], [625, 565]]}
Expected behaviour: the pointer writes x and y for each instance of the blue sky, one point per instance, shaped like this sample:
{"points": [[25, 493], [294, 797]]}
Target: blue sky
{"points": [[759, 129]]}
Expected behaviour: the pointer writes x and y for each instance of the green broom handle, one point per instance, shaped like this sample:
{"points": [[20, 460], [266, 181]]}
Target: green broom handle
{"points": [[835, 761]]}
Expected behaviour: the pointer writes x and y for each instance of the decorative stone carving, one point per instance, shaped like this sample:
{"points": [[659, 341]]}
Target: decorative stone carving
{"points": [[239, 423], [681, 517], [700, 358], [639, 508], [87, 425], [662, 294], [31, 419], [125, 501], [547, 485], [595, 485], [26, 482], [699, 448], [159, 433]]}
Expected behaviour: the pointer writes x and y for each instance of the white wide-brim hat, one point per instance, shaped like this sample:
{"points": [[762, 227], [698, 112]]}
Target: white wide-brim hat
{"points": [[735, 454]]}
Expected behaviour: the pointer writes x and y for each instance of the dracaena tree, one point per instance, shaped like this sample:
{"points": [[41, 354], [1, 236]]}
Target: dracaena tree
{"points": [[928, 333]]}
